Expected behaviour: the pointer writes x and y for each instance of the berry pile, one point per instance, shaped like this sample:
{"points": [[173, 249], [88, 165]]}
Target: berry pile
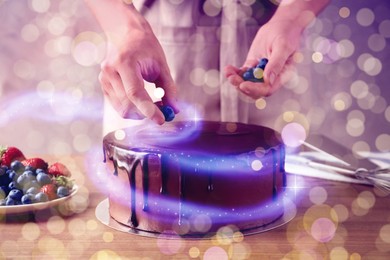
{"points": [[256, 74], [27, 181]]}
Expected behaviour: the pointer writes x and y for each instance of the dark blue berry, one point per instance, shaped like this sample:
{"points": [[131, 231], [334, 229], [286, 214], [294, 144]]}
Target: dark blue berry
{"points": [[32, 190], [262, 63], [4, 178], [12, 185], [29, 168], [15, 194], [43, 178], [41, 197], [248, 75], [2, 171], [17, 166], [168, 112], [28, 199], [31, 184], [10, 202], [39, 170], [62, 191], [12, 175]]}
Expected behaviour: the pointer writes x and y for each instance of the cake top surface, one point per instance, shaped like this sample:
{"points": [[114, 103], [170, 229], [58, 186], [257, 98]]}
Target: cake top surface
{"points": [[195, 137]]}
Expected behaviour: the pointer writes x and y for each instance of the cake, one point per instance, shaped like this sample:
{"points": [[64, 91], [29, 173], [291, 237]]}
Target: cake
{"points": [[194, 177]]}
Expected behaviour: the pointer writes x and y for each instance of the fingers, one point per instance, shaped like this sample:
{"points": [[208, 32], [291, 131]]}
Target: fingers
{"points": [[127, 94], [254, 90], [166, 82], [123, 106], [133, 86], [278, 57]]}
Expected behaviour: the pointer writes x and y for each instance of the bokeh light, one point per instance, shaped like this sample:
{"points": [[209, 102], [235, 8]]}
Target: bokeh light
{"points": [[215, 252], [293, 134], [365, 17]]}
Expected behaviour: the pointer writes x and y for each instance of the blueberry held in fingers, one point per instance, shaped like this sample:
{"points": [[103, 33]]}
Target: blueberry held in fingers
{"points": [[168, 112]]}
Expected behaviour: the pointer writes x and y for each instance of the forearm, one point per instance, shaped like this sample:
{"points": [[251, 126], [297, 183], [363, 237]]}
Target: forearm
{"points": [[299, 12], [116, 17]]}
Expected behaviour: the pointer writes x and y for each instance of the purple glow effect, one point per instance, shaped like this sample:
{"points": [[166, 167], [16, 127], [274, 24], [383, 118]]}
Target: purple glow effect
{"points": [[60, 107]]}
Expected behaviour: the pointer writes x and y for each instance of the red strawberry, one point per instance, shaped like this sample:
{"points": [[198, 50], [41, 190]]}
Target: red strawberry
{"points": [[36, 163], [10, 154], [50, 190], [58, 169]]}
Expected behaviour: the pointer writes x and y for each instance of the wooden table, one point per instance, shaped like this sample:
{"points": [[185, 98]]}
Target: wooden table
{"points": [[333, 221]]}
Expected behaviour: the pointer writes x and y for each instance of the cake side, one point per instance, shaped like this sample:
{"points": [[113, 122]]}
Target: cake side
{"points": [[190, 193]]}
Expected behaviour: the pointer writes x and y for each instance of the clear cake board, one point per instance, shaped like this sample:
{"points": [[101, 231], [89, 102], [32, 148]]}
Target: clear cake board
{"points": [[102, 214]]}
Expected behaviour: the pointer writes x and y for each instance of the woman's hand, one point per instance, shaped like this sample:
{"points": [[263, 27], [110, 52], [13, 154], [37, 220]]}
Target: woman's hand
{"points": [[137, 57], [277, 41], [133, 55]]}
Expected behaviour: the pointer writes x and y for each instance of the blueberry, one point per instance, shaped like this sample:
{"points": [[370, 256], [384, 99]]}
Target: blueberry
{"points": [[168, 112], [39, 170], [62, 191], [10, 202], [41, 197], [43, 178], [262, 63], [12, 175], [29, 173], [4, 178], [32, 190], [31, 184], [2, 171], [29, 168], [17, 166], [25, 178], [247, 75], [28, 199], [15, 194], [12, 185]]}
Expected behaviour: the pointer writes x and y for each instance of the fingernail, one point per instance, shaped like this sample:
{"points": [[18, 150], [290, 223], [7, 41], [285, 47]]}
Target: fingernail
{"points": [[272, 78]]}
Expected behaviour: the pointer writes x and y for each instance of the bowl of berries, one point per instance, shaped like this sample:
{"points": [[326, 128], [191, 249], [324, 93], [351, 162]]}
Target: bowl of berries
{"points": [[30, 184]]}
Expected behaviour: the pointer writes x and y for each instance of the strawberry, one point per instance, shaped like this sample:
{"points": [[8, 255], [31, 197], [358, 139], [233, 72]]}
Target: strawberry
{"points": [[10, 154], [36, 163], [58, 169], [50, 190]]}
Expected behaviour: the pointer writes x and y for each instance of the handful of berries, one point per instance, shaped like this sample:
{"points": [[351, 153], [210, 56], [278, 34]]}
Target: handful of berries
{"points": [[27, 181], [256, 74]]}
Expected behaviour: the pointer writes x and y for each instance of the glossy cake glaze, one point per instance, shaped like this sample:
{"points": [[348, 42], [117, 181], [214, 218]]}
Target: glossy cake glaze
{"points": [[195, 177]]}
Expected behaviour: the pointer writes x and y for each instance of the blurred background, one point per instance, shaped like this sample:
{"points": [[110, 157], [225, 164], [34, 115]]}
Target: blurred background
{"points": [[51, 101]]}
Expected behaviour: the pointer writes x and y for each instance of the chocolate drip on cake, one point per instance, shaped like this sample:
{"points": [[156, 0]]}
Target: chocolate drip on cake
{"points": [[145, 181], [274, 166], [133, 217], [164, 173]]}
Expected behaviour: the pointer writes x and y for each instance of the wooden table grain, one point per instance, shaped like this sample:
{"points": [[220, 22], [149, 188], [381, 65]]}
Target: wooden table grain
{"points": [[333, 220]]}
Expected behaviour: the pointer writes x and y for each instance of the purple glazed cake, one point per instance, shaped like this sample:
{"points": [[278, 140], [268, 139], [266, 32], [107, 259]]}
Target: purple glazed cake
{"points": [[192, 178]]}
